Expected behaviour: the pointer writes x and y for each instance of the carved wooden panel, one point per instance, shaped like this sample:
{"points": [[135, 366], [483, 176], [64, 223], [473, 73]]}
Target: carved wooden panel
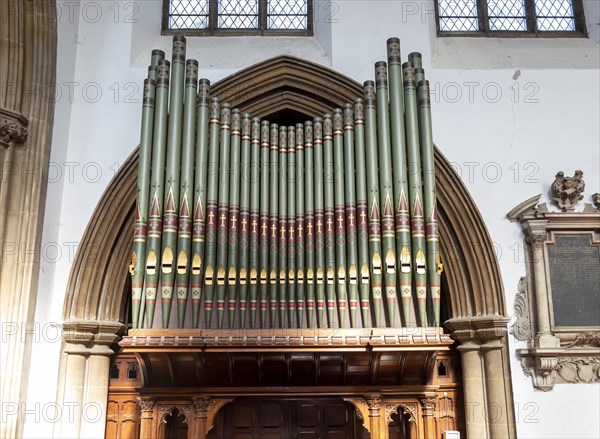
{"points": [[399, 427], [175, 426], [122, 417], [301, 418]]}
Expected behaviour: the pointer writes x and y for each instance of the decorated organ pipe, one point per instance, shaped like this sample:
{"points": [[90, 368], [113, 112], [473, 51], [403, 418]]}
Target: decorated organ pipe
{"points": [[350, 211], [319, 224], [362, 212], [387, 191], [309, 222], [434, 265], [200, 193], [274, 223], [184, 234], [329, 218], [244, 219], [141, 208], [339, 216], [172, 174], [223, 210], [290, 175], [376, 265], [300, 225], [157, 179], [401, 213], [255, 172], [319, 219], [283, 229], [417, 226], [233, 171], [210, 256], [264, 214]]}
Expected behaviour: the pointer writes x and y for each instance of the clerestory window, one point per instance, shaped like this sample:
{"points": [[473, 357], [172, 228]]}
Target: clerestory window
{"points": [[237, 17], [510, 18]]}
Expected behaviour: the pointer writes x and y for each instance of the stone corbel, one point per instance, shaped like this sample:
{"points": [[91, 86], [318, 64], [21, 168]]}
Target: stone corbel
{"points": [[13, 128], [548, 367]]}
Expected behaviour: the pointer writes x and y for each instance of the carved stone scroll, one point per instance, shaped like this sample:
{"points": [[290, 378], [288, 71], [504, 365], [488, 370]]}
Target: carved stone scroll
{"points": [[521, 329]]}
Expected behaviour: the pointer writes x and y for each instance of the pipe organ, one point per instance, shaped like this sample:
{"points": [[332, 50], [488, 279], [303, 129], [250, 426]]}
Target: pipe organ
{"points": [[242, 223], [285, 271]]}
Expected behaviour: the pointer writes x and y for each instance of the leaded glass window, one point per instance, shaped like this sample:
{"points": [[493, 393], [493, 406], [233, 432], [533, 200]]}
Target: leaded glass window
{"points": [[235, 17], [510, 17]]}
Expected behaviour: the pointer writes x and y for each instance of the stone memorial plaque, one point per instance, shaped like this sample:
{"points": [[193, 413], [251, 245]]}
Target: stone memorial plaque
{"points": [[574, 265]]}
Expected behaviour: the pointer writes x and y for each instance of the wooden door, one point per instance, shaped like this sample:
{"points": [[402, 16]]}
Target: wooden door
{"points": [[300, 418]]}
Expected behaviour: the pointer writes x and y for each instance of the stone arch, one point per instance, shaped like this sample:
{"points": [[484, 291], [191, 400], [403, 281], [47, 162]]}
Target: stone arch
{"points": [[95, 302]]}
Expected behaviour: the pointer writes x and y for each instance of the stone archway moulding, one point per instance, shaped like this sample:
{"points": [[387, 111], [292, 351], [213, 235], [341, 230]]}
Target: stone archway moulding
{"points": [[95, 301]]}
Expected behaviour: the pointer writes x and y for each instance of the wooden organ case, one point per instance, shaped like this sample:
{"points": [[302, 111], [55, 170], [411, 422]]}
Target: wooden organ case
{"points": [[286, 280]]}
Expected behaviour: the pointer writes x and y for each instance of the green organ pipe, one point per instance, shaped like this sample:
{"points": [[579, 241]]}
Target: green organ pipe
{"points": [[285, 226], [401, 212], [200, 196], [172, 175], [184, 233]]}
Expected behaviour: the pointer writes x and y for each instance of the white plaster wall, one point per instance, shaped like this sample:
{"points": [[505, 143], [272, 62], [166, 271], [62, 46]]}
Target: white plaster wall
{"points": [[508, 113]]}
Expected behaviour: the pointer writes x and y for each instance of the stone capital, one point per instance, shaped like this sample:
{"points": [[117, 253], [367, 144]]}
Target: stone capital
{"points": [[92, 334], [473, 332]]}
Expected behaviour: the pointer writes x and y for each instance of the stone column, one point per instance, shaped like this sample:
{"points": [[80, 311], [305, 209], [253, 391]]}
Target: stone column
{"points": [[536, 235], [84, 375], [473, 378], [27, 60], [485, 368], [96, 394], [147, 417], [72, 402], [497, 406], [428, 403]]}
